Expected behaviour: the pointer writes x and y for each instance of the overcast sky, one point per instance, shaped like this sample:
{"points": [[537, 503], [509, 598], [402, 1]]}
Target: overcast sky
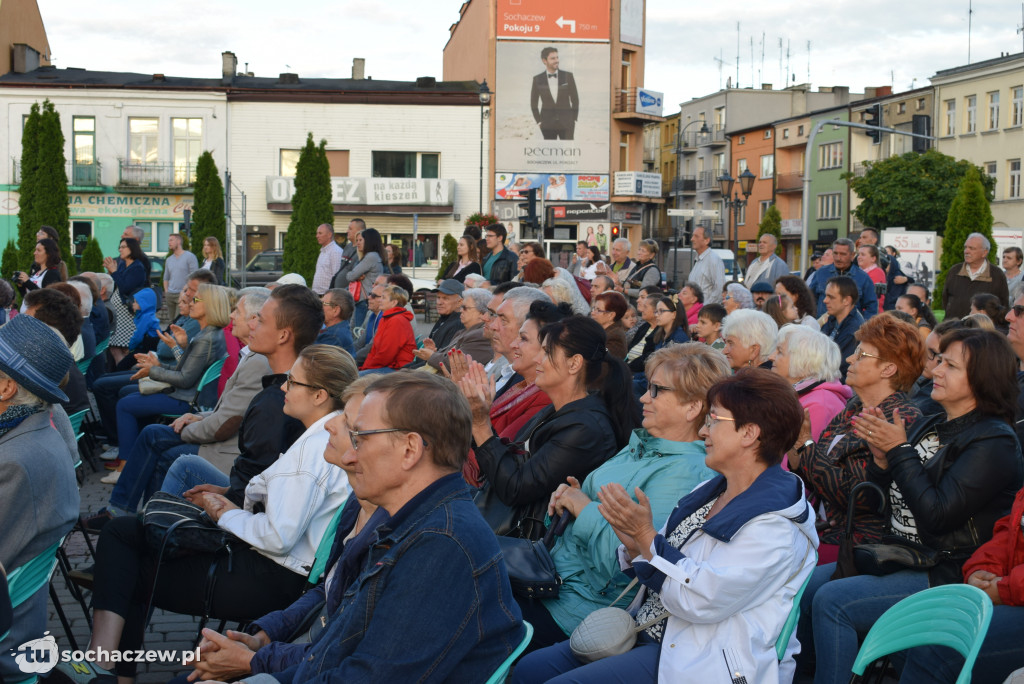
{"points": [[857, 44]]}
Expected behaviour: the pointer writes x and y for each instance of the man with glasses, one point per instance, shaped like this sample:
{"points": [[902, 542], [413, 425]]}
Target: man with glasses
{"points": [[501, 264], [844, 318], [338, 308], [435, 569], [286, 324]]}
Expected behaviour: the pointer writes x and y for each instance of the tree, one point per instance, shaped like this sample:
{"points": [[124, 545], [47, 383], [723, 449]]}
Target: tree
{"points": [[26, 191], [208, 212], [311, 206], [92, 256], [10, 261], [970, 213], [772, 224], [449, 254], [914, 191], [44, 183]]}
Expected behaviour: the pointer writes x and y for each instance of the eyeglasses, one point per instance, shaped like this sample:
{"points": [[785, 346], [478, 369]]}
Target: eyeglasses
{"points": [[933, 355], [489, 313], [1018, 310], [859, 354], [291, 383], [659, 312], [655, 390], [375, 296], [196, 299], [328, 302], [598, 311], [490, 235], [711, 419], [355, 435]]}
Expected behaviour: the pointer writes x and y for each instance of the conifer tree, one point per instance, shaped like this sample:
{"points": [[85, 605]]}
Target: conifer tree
{"points": [[208, 212], [92, 256], [772, 224], [44, 184], [969, 213], [311, 206]]}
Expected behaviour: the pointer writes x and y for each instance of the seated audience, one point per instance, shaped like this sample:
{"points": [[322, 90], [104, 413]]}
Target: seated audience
{"points": [[601, 283], [88, 334], [466, 262], [59, 311], [663, 458], [989, 304], [749, 339], [781, 309], [844, 318], [448, 325], [7, 309], [608, 310], [692, 299], [810, 362], [470, 341], [394, 340], [537, 269], [640, 340], [38, 494], [338, 308], [796, 289], [922, 313], [709, 325], [760, 291], [725, 566], [736, 297], [949, 479]]}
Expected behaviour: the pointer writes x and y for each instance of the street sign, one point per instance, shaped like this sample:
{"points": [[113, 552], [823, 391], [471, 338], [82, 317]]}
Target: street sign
{"points": [[694, 213]]}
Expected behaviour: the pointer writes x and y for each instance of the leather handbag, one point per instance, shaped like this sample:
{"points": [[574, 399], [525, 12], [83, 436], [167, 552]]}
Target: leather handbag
{"points": [[892, 555], [846, 566], [174, 527], [531, 570]]}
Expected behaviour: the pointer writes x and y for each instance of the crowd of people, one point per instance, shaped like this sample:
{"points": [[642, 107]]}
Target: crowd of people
{"points": [[698, 458]]}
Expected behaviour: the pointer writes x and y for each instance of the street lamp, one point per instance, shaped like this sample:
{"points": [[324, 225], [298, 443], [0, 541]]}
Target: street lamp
{"points": [[725, 184], [679, 193], [485, 99]]}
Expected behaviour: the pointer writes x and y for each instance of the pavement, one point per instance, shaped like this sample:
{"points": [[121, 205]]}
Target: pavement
{"points": [[167, 631]]}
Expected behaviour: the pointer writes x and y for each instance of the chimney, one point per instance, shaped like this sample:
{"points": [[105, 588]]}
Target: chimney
{"points": [[358, 68], [426, 82], [869, 92], [159, 78], [229, 65], [842, 94], [766, 86], [26, 58], [288, 79]]}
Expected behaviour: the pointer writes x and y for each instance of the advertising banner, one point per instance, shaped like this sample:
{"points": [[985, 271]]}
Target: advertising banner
{"points": [[585, 20], [638, 183], [371, 191], [631, 21], [1007, 237], [557, 187], [553, 111], [917, 249], [649, 101]]}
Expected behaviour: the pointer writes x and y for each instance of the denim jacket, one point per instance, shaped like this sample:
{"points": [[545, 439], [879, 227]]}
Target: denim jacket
{"points": [[432, 603]]}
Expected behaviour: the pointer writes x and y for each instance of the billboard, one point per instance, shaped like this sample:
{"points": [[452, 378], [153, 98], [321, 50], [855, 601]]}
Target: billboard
{"points": [[638, 183], [555, 186], [649, 102], [585, 20], [553, 109], [917, 253], [631, 21], [371, 191]]}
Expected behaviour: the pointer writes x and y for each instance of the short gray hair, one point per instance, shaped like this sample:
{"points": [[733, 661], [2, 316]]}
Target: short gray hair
{"points": [[522, 298], [478, 296], [22, 397], [844, 242], [85, 294], [811, 354], [622, 241], [106, 283], [751, 327], [559, 289], [741, 294], [253, 299], [138, 232], [775, 240], [984, 240]]}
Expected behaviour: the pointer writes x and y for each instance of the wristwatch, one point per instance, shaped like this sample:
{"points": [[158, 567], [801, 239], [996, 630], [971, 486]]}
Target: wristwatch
{"points": [[809, 444]]}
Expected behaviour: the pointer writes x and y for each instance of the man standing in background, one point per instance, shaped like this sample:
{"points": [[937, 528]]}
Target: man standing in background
{"points": [[176, 269], [328, 261]]}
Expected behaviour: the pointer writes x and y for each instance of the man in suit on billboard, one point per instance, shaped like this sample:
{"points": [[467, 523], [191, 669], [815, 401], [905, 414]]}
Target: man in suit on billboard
{"points": [[553, 99]]}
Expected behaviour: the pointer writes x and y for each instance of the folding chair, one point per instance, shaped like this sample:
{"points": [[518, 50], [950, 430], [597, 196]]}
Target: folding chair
{"points": [[502, 672]]}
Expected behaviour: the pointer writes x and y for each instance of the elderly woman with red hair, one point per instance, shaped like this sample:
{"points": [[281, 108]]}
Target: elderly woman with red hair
{"points": [[537, 270]]}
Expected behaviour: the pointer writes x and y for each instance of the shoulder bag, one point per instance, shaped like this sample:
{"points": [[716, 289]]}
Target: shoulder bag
{"points": [[174, 527], [531, 570]]}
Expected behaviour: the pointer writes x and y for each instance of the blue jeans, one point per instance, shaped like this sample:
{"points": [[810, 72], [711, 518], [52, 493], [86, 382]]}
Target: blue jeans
{"points": [[108, 389], [157, 447], [844, 610], [136, 408], [359, 314], [804, 628], [557, 665], [191, 471], [1002, 652]]}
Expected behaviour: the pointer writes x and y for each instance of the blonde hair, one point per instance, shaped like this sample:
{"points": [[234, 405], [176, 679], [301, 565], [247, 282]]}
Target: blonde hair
{"points": [[331, 368], [215, 244], [218, 304], [693, 367], [398, 294]]}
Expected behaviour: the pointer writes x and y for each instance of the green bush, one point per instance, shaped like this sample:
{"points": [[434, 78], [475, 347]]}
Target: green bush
{"points": [[208, 212], [449, 254], [92, 256]]}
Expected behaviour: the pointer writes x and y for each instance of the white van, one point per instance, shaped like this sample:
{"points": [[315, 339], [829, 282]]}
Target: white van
{"points": [[678, 262]]}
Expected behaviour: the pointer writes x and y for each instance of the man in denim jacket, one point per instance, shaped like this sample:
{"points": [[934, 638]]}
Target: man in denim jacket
{"points": [[432, 602]]}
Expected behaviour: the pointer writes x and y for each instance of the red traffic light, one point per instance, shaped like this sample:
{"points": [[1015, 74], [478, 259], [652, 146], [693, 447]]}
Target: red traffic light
{"points": [[615, 232]]}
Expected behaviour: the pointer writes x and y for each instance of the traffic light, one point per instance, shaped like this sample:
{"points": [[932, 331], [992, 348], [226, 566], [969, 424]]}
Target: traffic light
{"points": [[615, 232], [873, 117]]}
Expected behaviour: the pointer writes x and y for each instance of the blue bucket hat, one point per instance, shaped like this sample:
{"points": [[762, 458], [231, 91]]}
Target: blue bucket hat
{"points": [[35, 357]]}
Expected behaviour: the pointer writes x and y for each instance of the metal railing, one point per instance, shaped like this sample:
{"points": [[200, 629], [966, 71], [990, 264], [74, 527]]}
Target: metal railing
{"points": [[156, 175], [714, 136], [708, 180], [683, 184], [80, 175]]}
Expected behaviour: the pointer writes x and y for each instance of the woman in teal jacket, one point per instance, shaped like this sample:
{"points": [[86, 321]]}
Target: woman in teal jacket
{"points": [[665, 458]]}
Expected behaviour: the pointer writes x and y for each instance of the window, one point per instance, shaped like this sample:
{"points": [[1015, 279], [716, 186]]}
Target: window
{"points": [[901, 108], [720, 167], [406, 164], [830, 155], [767, 134], [720, 117], [1018, 106], [762, 207], [1014, 179], [743, 140], [81, 231], [337, 162], [950, 117], [767, 166], [741, 166], [289, 160], [83, 145], [188, 145], [971, 114], [785, 134], [920, 103], [800, 130], [741, 215], [993, 110], [623, 151], [991, 169], [157, 234], [829, 206], [143, 143]]}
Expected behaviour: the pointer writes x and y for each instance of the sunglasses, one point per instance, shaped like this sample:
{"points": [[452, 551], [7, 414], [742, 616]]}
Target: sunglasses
{"points": [[1018, 310]]}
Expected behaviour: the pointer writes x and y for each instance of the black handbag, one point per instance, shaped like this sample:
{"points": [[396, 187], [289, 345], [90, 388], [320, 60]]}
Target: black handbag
{"points": [[845, 563], [892, 555], [174, 527], [531, 570]]}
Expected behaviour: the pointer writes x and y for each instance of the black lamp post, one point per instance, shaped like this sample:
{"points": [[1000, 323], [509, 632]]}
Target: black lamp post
{"points": [[485, 99], [734, 203]]}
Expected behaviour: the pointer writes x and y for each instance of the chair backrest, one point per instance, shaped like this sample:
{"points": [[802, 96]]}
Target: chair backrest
{"points": [[323, 550], [502, 672], [25, 580], [84, 364], [211, 375], [77, 419], [953, 615], [794, 617], [102, 346]]}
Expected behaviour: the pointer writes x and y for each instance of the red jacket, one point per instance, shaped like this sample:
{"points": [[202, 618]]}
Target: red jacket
{"points": [[1004, 555], [394, 342]]}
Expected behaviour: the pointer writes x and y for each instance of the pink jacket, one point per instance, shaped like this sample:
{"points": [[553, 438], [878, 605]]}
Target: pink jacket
{"points": [[824, 402]]}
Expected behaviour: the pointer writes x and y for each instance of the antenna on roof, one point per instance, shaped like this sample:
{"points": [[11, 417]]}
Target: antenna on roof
{"points": [[970, 17], [1020, 29]]}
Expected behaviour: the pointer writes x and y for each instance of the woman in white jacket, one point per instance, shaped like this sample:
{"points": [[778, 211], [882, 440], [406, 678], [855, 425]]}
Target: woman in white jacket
{"points": [[718, 580], [286, 511]]}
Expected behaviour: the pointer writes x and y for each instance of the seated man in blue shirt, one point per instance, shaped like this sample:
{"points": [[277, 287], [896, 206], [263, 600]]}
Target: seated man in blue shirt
{"points": [[843, 317], [338, 308]]}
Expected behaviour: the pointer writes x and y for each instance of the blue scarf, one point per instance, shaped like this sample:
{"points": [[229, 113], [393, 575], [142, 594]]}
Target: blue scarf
{"points": [[14, 415]]}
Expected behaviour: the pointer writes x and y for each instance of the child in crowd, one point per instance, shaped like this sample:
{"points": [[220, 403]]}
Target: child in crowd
{"points": [[782, 309], [709, 325]]}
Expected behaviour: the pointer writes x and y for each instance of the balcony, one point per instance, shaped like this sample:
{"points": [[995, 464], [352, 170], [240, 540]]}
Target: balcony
{"points": [[625, 108], [715, 137], [683, 185], [155, 177], [789, 182], [707, 181], [78, 175]]}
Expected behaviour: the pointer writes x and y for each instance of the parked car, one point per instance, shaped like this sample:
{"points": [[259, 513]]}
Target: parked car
{"points": [[264, 268]]}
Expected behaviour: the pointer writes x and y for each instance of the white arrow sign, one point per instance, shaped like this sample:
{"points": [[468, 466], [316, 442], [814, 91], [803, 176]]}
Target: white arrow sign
{"points": [[694, 213], [561, 22]]}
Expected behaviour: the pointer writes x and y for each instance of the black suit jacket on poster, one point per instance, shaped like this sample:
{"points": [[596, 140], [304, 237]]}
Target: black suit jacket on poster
{"points": [[547, 111]]}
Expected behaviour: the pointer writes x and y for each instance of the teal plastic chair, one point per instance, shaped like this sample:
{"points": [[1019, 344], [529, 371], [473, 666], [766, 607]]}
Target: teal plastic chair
{"points": [[102, 346], [323, 550], [502, 672], [212, 374], [794, 617], [25, 580], [77, 420], [84, 364], [953, 615]]}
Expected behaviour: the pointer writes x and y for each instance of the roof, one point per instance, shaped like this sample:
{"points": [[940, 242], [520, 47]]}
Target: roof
{"points": [[978, 65]]}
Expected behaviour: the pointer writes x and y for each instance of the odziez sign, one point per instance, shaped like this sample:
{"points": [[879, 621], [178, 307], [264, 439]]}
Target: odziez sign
{"points": [[432, 192], [577, 212]]}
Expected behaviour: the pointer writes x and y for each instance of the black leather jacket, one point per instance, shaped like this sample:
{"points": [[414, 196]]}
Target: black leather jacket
{"points": [[504, 267], [958, 495]]}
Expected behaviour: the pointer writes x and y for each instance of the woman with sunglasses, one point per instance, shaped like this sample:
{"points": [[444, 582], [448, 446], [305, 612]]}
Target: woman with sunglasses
{"points": [[718, 579], [948, 480], [286, 511], [664, 457]]}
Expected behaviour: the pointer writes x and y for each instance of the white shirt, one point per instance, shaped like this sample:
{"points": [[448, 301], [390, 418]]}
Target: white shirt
{"points": [[709, 272], [327, 264], [552, 84]]}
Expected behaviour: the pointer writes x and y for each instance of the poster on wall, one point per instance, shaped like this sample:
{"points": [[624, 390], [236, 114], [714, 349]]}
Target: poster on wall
{"points": [[596, 234], [553, 112], [917, 253], [562, 20], [554, 187], [631, 21]]}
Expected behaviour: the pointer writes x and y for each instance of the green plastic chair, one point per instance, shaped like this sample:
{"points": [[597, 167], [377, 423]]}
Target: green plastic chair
{"points": [[502, 672], [83, 365], [953, 615], [212, 374], [102, 346], [794, 617], [323, 550], [25, 580], [77, 419]]}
